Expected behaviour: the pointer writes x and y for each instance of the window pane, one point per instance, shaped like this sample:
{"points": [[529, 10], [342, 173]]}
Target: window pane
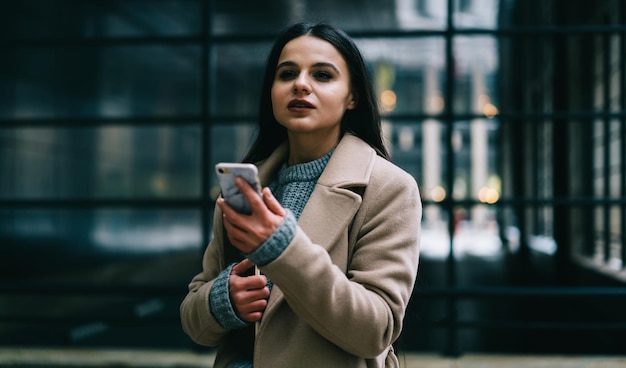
{"points": [[404, 141], [237, 77], [435, 240], [481, 14], [421, 149], [107, 162], [84, 19], [57, 321], [408, 71], [119, 81], [412, 69], [87, 247], [476, 172], [476, 67], [229, 143], [476, 236], [243, 16]]}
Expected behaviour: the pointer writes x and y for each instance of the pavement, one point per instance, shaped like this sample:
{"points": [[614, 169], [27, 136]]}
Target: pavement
{"points": [[119, 358]]}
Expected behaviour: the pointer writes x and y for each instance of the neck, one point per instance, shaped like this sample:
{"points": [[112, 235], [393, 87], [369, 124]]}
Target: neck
{"points": [[306, 148]]}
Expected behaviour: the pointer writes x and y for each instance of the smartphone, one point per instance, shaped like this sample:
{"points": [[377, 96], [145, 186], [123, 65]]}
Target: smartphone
{"points": [[226, 174]]}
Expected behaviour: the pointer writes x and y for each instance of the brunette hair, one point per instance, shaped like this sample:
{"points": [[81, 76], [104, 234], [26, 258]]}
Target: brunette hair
{"points": [[362, 121]]}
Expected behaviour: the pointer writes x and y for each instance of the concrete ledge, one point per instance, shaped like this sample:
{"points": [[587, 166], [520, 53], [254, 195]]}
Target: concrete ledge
{"points": [[90, 358]]}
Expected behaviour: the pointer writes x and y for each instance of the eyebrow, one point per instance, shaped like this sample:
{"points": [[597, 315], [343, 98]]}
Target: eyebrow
{"points": [[316, 65]]}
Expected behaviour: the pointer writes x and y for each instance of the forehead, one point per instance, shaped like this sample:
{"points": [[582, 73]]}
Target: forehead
{"points": [[309, 49]]}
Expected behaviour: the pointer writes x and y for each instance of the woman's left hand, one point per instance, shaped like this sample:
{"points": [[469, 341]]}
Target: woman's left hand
{"points": [[248, 232]]}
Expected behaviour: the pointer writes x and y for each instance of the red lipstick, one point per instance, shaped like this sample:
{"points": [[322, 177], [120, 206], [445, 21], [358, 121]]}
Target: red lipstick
{"points": [[300, 104]]}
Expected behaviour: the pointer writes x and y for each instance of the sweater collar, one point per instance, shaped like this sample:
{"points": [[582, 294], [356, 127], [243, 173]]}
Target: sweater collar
{"points": [[350, 165], [307, 171]]}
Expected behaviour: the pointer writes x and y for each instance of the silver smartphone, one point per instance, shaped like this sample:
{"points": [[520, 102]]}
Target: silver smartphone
{"points": [[226, 174]]}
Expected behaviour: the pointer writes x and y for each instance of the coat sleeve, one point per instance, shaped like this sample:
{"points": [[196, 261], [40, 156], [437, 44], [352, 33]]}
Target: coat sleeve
{"points": [[360, 310], [196, 318]]}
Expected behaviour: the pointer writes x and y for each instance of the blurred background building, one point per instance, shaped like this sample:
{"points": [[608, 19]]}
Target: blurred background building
{"points": [[511, 115]]}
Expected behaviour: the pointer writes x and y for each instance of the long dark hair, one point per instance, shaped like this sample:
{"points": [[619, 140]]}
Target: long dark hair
{"points": [[362, 121]]}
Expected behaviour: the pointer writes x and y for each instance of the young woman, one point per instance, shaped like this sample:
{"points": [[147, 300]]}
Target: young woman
{"points": [[335, 234]]}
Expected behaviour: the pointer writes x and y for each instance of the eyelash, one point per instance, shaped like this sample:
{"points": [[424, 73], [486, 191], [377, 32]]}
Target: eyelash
{"points": [[286, 75], [323, 76]]}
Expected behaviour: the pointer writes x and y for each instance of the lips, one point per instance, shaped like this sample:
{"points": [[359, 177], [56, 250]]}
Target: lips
{"points": [[300, 104]]}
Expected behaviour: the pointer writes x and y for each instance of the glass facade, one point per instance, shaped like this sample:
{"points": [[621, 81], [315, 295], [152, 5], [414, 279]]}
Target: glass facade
{"points": [[509, 114]]}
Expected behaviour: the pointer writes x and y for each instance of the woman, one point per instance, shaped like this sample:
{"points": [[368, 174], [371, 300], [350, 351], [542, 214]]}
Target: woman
{"points": [[335, 235]]}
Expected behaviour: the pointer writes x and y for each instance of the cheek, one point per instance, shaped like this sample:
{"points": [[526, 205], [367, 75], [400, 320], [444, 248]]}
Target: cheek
{"points": [[343, 103]]}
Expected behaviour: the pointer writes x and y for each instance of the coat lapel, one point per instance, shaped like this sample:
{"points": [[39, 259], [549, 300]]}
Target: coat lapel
{"points": [[332, 204]]}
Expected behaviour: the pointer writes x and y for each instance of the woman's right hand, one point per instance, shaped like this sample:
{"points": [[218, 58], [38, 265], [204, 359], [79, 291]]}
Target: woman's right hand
{"points": [[248, 232], [248, 294]]}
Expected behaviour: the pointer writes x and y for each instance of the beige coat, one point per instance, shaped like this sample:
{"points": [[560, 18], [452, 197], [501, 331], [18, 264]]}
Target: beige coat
{"points": [[342, 286]]}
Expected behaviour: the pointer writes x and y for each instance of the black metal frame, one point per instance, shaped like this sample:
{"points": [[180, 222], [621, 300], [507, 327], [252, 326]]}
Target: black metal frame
{"points": [[451, 292]]}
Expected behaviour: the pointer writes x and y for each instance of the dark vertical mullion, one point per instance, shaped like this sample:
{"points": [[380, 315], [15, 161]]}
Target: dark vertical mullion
{"points": [[588, 139], [606, 144], [452, 347], [205, 121], [534, 171], [560, 166], [622, 93], [518, 125]]}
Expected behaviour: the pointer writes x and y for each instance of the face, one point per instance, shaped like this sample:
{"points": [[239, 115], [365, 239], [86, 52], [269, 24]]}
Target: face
{"points": [[311, 89]]}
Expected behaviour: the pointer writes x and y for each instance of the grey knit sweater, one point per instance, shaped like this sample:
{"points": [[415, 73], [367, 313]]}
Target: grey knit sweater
{"points": [[294, 184], [292, 188]]}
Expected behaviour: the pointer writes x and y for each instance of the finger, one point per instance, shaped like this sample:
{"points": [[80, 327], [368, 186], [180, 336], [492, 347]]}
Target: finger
{"points": [[251, 317], [249, 287], [258, 305], [232, 219], [249, 310], [250, 299], [243, 266], [227, 210], [238, 237], [272, 203], [251, 195], [233, 230]]}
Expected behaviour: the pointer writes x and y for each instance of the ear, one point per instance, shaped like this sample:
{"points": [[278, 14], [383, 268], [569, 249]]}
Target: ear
{"points": [[352, 101]]}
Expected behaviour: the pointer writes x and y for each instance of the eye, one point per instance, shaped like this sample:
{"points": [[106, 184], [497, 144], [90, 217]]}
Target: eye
{"points": [[286, 75], [323, 76]]}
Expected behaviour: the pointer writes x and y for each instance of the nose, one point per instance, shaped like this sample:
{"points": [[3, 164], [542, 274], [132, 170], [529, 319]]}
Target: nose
{"points": [[302, 84]]}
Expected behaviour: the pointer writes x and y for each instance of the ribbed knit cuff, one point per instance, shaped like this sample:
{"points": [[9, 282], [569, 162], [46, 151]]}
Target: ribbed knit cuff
{"points": [[276, 244], [240, 364], [219, 301]]}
